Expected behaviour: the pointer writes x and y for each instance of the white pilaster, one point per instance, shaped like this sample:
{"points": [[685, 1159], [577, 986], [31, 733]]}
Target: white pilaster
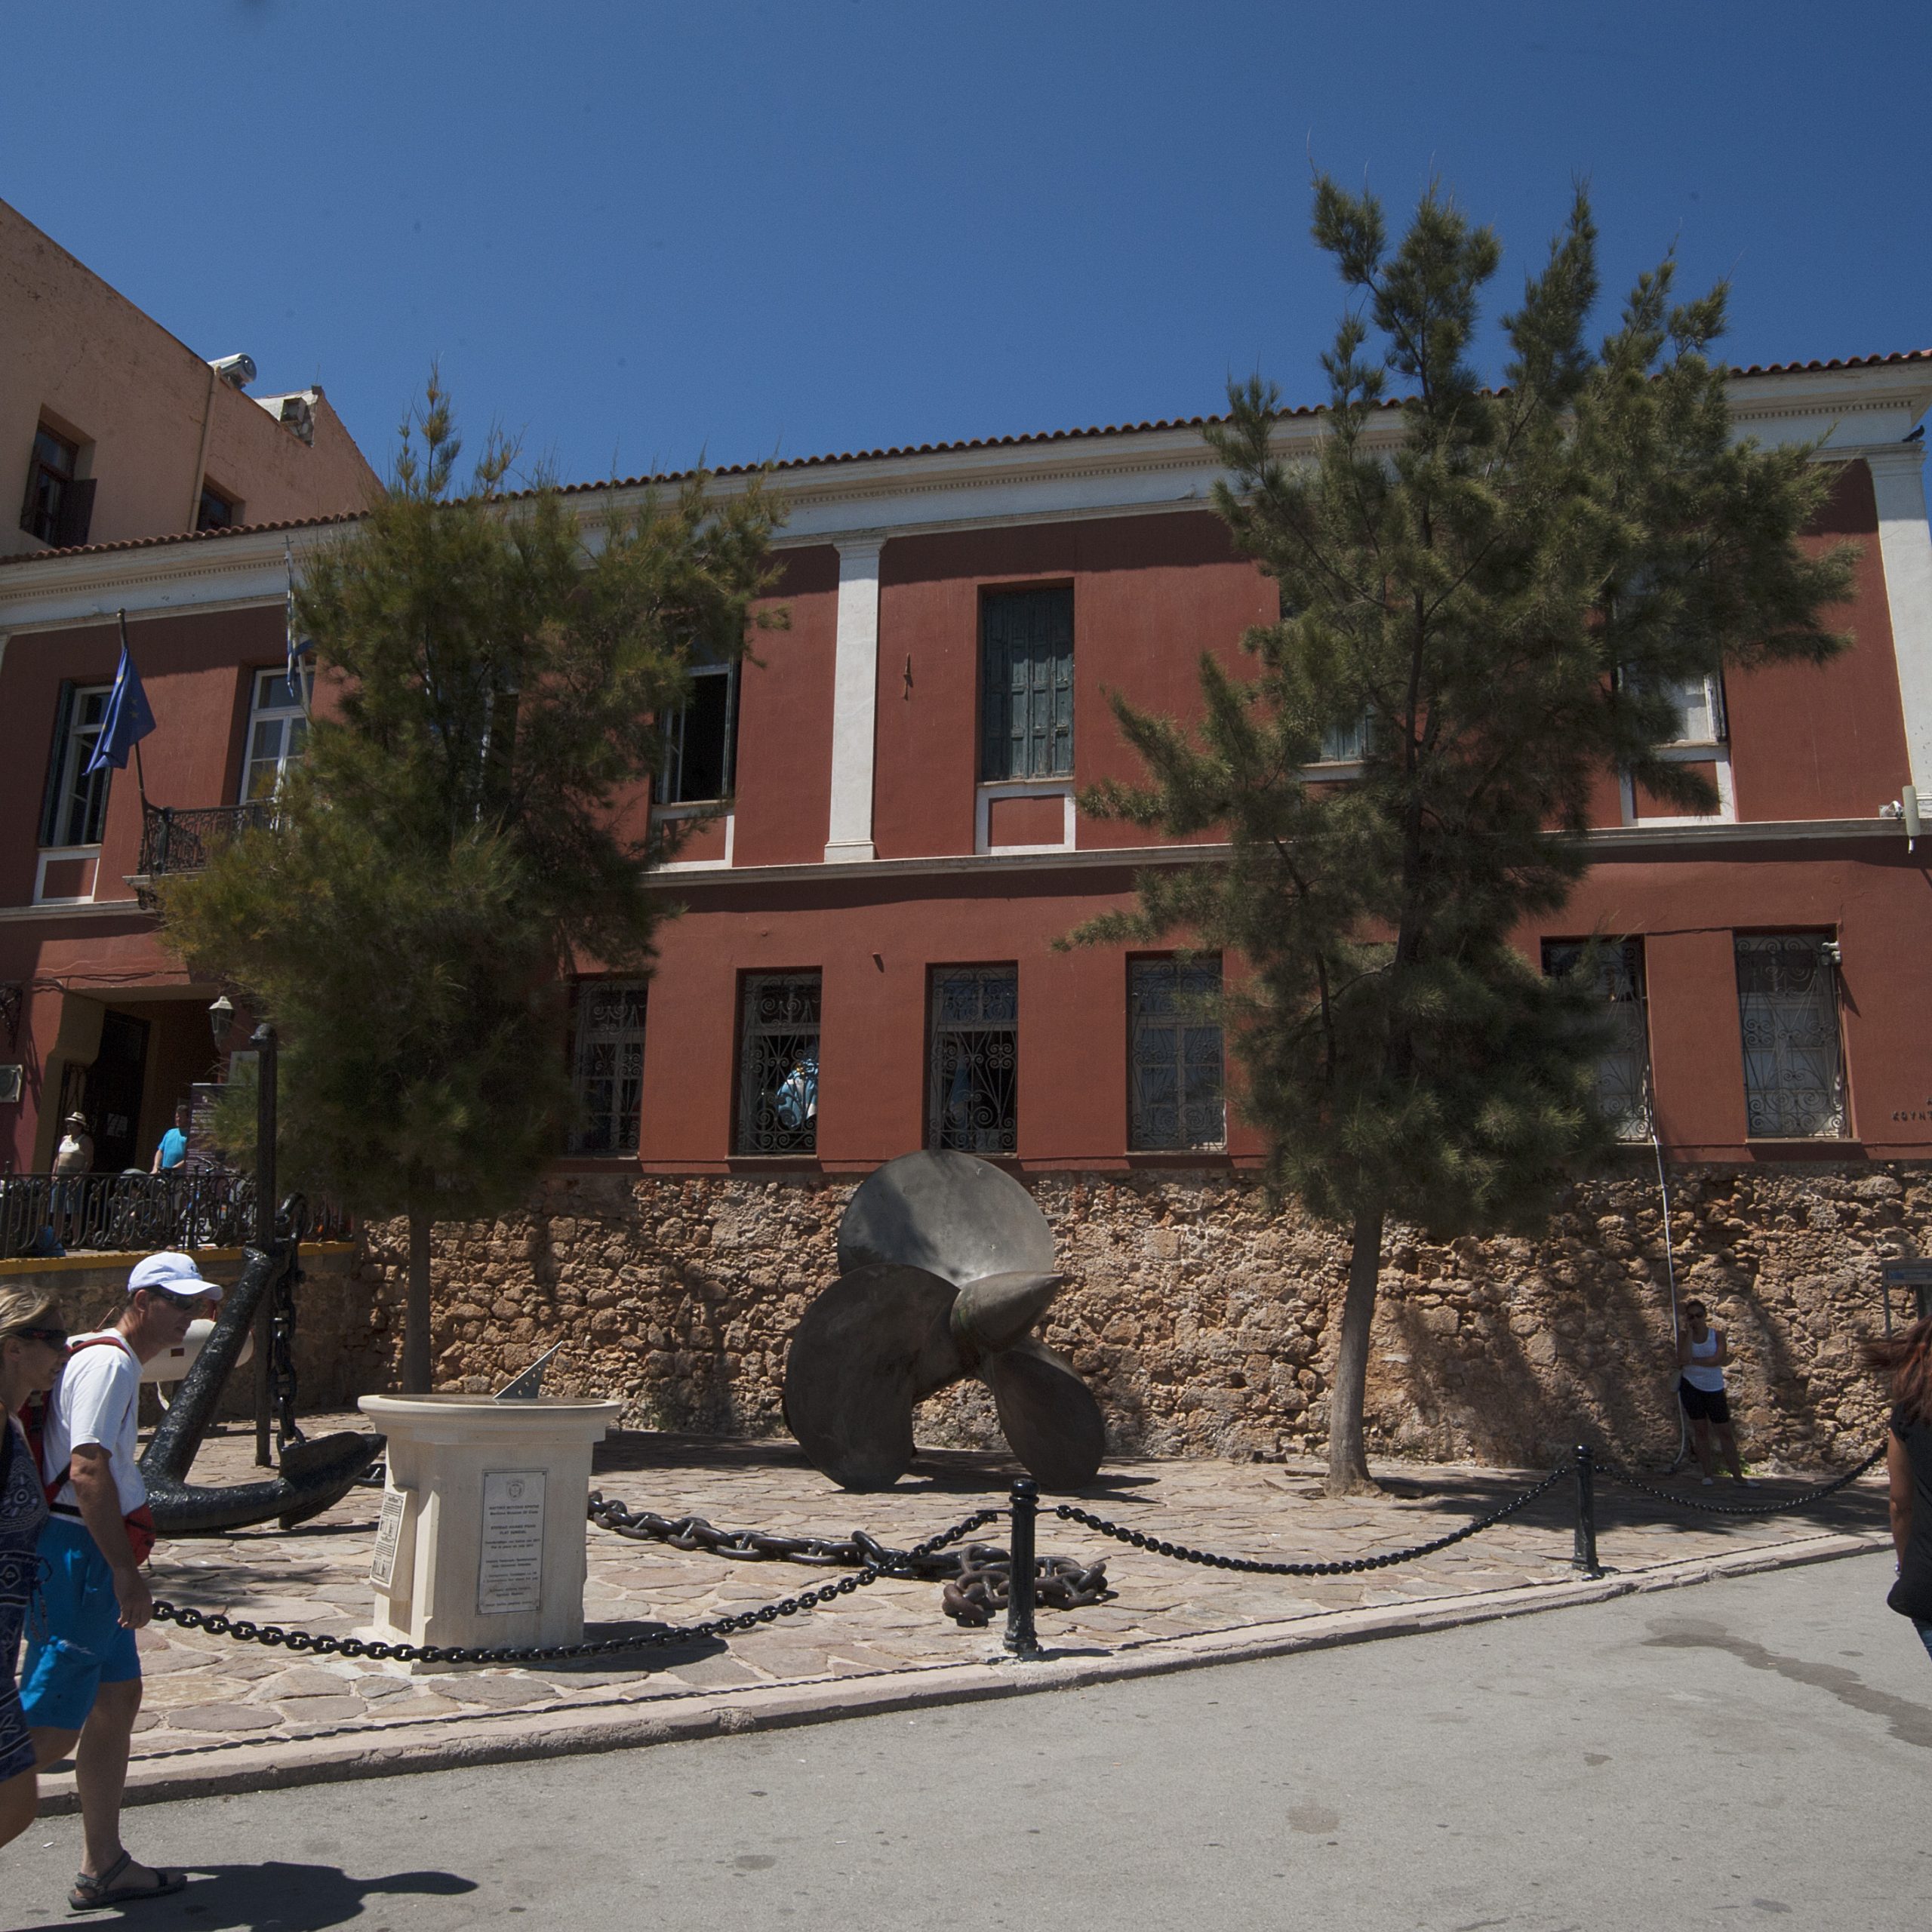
{"points": [[854, 702], [1905, 546]]}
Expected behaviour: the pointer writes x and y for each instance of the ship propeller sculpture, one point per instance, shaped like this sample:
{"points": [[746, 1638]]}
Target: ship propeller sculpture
{"points": [[946, 1263]]}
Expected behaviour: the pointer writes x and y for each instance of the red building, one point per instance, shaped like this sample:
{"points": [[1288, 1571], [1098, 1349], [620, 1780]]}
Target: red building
{"points": [[865, 963]]}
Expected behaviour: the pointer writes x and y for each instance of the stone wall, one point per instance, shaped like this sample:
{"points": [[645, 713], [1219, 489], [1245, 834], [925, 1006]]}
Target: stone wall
{"points": [[1205, 1324]]}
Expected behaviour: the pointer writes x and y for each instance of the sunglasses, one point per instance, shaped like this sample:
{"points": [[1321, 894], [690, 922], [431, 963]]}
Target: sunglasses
{"points": [[54, 1337]]}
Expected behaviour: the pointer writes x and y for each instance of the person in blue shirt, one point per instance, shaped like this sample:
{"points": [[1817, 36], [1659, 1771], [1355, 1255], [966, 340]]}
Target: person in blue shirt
{"points": [[173, 1148]]}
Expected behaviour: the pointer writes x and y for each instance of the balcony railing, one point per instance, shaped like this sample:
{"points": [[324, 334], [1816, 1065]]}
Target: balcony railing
{"points": [[181, 839], [125, 1213]]}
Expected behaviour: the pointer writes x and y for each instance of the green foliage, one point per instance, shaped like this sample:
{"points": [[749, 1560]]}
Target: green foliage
{"points": [[469, 827], [1503, 585]]}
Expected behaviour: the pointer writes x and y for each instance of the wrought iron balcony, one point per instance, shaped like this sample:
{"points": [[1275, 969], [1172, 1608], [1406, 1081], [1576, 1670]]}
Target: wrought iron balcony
{"points": [[176, 839], [127, 1213]]}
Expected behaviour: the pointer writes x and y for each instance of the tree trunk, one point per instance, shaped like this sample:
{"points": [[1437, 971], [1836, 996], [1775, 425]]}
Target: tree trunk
{"points": [[416, 1368], [1348, 1466]]}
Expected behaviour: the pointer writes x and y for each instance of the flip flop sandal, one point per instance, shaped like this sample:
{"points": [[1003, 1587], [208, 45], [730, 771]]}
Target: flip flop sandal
{"points": [[105, 1888]]}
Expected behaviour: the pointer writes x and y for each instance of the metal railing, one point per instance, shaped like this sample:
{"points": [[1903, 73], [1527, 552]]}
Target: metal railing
{"points": [[181, 839], [122, 1213]]}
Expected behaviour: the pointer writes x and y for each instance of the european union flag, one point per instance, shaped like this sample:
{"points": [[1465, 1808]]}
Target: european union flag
{"points": [[128, 719]]}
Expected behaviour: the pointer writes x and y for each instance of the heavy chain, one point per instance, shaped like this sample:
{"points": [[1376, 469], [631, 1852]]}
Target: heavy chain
{"points": [[984, 1586], [312, 1643], [282, 1354], [978, 1579], [1252, 1567], [1810, 1496], [694, 1533]]}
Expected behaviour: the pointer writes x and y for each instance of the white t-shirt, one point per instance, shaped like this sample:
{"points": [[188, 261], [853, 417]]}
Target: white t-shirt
{"points": [[96, 1399]]}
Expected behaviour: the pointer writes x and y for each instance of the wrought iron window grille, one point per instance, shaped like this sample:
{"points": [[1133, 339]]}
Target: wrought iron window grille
{"points": [[1177, 1100], [778, 1063], [1622, 1073], [1788, 1011], [973, 1059], [607, 1066]]}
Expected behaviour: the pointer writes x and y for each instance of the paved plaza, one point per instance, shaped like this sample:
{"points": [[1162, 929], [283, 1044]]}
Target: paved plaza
{"points": [[223, 1714]]}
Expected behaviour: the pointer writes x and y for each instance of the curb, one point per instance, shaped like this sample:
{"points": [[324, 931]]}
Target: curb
{"points": [[623, 1721]]}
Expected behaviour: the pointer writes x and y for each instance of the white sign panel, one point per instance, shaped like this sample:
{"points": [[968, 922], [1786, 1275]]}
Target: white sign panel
{"points": [[510, 1570], [388, 1538]]}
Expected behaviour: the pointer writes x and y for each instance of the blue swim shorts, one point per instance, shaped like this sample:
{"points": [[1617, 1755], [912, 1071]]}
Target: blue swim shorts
{"points": [[75, 1642]]}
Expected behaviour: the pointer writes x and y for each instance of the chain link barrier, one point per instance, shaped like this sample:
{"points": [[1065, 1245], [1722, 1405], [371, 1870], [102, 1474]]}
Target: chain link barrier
{"points": [[978, 1580], [1630, 1481], [1250, 1566], [315, 1643]]}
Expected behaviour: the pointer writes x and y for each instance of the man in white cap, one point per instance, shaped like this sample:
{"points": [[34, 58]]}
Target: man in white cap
{"points": [[81, 1683]]}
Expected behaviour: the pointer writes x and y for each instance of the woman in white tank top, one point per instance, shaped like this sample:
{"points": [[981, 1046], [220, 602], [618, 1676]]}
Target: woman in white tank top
{"points": [[1702, 1353]]}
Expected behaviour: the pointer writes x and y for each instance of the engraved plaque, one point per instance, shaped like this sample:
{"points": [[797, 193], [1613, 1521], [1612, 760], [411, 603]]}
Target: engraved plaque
{"points": [[388, 1538], [509, 1569]]}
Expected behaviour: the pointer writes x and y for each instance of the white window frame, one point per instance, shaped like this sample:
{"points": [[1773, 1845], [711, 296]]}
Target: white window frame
{"points": [[671, 778], [76, 749], [258, 713], [991, 788], [1713, 750]]}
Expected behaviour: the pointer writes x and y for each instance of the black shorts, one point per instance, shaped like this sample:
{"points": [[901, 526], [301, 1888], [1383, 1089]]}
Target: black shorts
{"points": [[1704, 1404]]}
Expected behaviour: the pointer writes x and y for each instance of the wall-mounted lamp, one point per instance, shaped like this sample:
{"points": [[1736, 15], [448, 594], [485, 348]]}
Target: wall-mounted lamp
{"points": [[221, 1020]]}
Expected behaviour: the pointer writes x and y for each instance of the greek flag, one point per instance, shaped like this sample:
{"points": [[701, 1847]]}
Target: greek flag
{"points": [[128, 720]]}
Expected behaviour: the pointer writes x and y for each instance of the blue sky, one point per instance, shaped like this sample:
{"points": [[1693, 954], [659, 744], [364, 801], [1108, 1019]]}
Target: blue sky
{"points": [[633, 233]]}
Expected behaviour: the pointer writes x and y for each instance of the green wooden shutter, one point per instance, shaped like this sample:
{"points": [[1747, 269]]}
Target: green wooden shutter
{"points": [[1026, 684]]}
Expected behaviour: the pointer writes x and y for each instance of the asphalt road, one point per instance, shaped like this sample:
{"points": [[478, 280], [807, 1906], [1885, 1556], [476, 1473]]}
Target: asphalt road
{"points": [[1754, 1752]]}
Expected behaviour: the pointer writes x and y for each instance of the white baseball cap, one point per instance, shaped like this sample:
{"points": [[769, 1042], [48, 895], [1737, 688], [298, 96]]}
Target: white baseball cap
{"points": [[171, 1273]]}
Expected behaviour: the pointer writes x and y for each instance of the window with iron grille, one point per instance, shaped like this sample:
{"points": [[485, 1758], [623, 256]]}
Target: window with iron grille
{"points": [[973, 1059], [1623, 1071], [1026, 684], [607, 1066], [701, 739], [76, 803], [778, 1023], [1787, 1009], [1175, 1100], [59, 507]]}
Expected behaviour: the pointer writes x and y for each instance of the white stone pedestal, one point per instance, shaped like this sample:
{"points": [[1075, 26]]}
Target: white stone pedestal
{"points": [[483, 1533]]}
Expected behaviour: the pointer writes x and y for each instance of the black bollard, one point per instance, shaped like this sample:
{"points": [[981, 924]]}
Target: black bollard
{"points": [[1021, 1639], [1585, 1558]]}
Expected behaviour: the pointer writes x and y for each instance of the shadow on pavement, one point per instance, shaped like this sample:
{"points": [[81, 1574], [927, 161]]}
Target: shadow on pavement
{"points": [[290, 1898]]}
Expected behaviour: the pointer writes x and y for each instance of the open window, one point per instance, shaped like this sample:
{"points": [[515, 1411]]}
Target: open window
{"points": [[701, 739], [59, 505]]}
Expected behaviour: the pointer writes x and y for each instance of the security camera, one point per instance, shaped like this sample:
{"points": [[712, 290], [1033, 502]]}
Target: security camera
{"points": [[237, 371]]}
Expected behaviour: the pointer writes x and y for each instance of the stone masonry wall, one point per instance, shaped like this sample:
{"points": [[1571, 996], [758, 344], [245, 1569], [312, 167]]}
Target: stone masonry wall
{"points": [[1205, 1324]]}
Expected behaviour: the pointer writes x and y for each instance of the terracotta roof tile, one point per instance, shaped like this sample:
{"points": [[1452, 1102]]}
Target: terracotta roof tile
{"points": [[800, 462]]}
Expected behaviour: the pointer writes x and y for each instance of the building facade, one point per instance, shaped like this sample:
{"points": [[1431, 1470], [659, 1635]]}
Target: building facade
{"points": [[889, 843], [113, 430], [866, 960]]}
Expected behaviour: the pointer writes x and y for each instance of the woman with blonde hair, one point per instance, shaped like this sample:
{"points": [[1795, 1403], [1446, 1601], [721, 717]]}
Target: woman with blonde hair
{"points": [[1908, 1359], [33, 1344]]}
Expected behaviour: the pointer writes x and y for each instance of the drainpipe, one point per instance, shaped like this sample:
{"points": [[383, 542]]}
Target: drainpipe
{"points": [[201, 455]]}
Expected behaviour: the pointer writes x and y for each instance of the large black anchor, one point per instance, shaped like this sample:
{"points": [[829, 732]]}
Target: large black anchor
{"points": [[312, 1475]]}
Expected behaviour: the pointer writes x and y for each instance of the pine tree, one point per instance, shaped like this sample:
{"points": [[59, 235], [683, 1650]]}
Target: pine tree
{"points": [[1499, 596], [467, 830]]}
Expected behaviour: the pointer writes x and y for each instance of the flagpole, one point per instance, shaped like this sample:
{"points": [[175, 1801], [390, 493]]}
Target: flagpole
{"points": [[140, 771]]}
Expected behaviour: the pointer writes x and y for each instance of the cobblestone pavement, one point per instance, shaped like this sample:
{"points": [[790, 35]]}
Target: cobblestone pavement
{"points": [[206, 1695]]}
